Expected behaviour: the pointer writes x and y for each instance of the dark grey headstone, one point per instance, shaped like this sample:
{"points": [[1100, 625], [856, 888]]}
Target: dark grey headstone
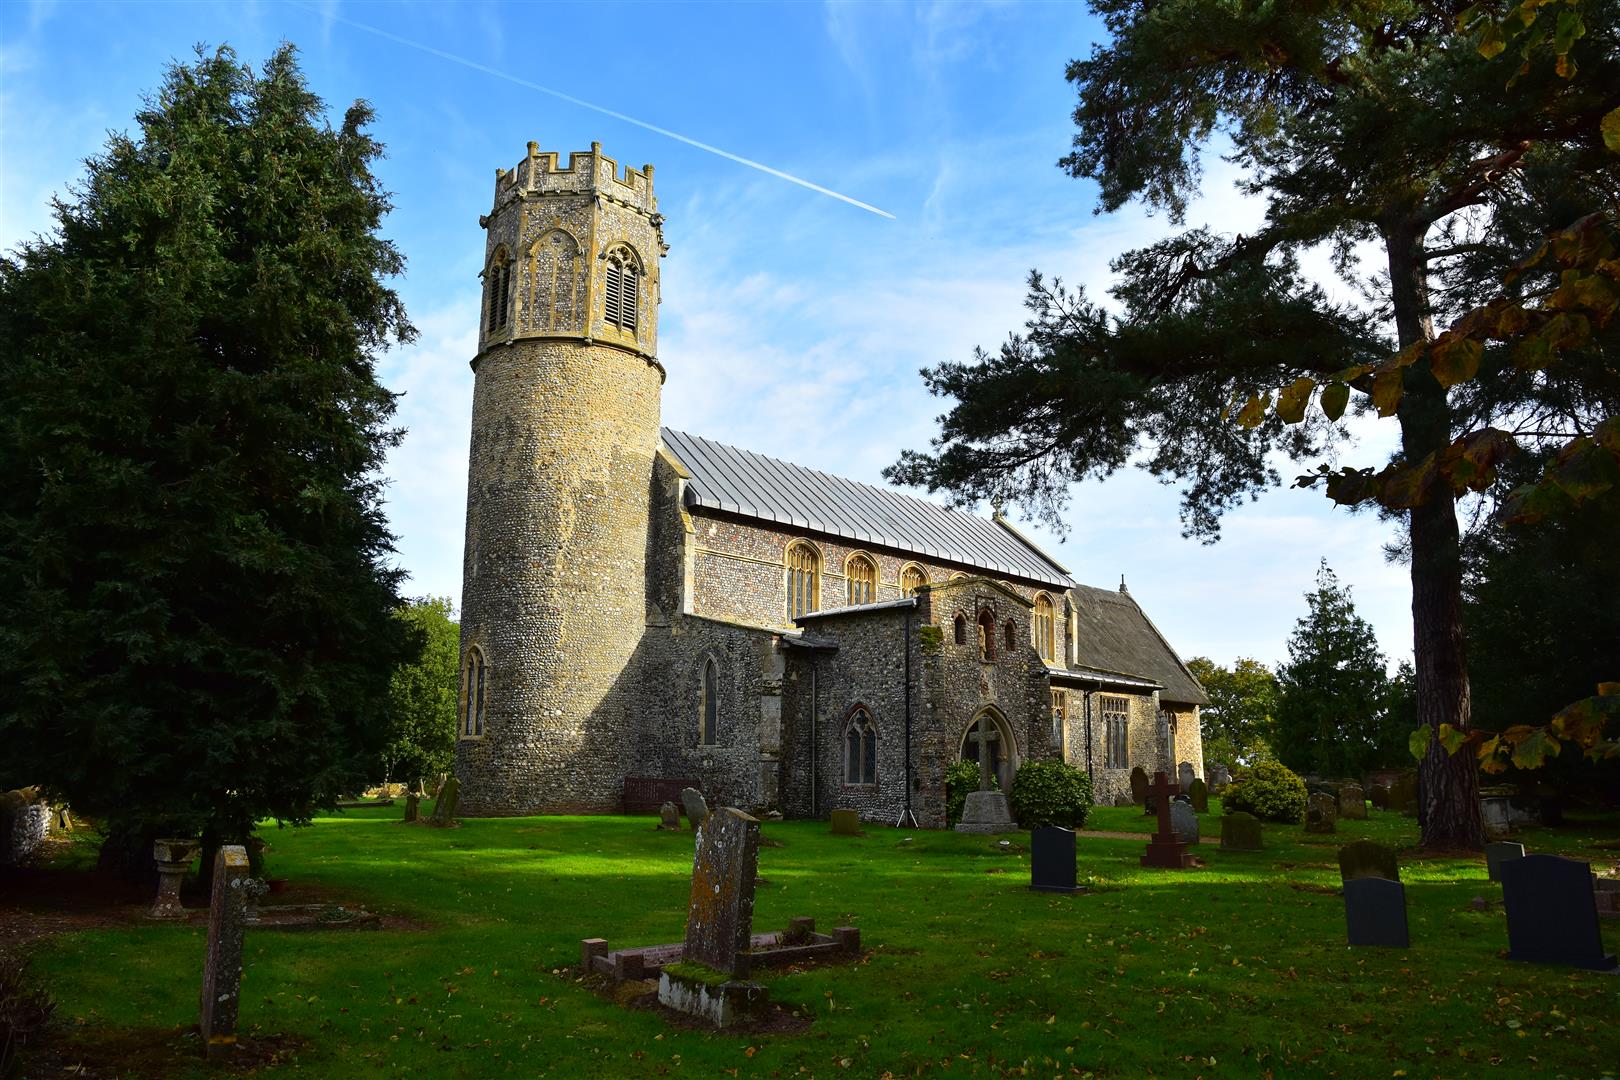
{"points": [[1240, 832], [1498, 853], [720, 918], [1183, 821], [1552, 912], [1139, 785], [222, 969], [1375, 913], [1321, 812], [696, 806], [1364, 859], [1352, 802], [1051, 860]]}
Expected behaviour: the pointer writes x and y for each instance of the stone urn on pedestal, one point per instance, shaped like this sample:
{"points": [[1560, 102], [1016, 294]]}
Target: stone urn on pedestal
{"points": [[173, 857]]}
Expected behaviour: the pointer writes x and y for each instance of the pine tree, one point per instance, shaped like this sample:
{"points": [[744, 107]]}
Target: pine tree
{"points": [[196, 625]]}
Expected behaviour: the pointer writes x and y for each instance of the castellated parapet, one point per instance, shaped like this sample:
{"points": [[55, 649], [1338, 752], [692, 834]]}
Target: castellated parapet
{"points": [[564, 432]]}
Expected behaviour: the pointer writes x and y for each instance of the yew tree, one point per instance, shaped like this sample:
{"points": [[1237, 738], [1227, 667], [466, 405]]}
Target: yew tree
{"points": [[1460, 166]]}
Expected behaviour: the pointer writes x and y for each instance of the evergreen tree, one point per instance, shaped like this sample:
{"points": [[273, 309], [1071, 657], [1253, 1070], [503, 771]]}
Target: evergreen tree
{"points": [[196, 625], [422, 695], [1237, 723], [1334, 691], [1473, 151]]}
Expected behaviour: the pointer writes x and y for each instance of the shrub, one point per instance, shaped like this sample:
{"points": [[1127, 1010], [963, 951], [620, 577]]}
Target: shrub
{"points": [[961, 778], [1270, 792], [1050, 793]]}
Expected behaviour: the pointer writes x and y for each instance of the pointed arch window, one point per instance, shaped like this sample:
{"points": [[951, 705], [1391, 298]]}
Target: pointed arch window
{"points": [[474, 693], [709, 704], [1044, 624], [913, 579], [621, 289], [860, 749], [498, 292], [803, 579], [861, 574]]}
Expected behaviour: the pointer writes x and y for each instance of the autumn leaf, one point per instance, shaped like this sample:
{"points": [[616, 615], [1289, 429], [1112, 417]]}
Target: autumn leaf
{"points": [[1418, 741], [1334, 398], [1386, 391], [1610, 126], [1455, 360], [1252, 413], [1452, 738], [1533, 752], [1292, 400]]}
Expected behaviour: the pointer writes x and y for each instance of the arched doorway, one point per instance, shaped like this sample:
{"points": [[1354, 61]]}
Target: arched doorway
{"points": [[989, 733]]}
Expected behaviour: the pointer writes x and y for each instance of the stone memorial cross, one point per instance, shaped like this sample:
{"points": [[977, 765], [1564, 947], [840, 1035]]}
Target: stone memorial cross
{"points": [[1165, 850], [984, 734]]}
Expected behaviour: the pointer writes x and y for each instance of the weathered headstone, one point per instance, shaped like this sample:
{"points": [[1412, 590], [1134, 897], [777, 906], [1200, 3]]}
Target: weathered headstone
{"points": [[1364, 858], [1220, 776], [413, 807], [1184, 821], [696, 806], [1185, 775], [1493, 814], [1320, 813], [1552, 912], [1139, 786], [222, 970], [1498, 853], [1352, 803], [1198, 795], [720, 918], [669, 817], [1378, 795], [1240, 832], [845, 822], [444, 810], [1166, 850], [173, 857], [1051, 860], [1375, 913]]}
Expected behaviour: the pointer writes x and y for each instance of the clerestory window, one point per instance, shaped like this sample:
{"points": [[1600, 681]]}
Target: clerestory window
{"points": [[861, 574], [803, 579]]}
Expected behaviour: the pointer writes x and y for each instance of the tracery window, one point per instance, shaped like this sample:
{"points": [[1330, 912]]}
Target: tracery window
{"points": [[803, 579], [709, 704], [912, 579], [498, 291], [621, 289], [1044, 626], [860, 749], [1060, 709], [861, 574], [474, 691], [1116, 716]]}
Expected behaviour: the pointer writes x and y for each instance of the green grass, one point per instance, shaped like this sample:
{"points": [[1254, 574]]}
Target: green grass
{"points": [[1230, 970]]}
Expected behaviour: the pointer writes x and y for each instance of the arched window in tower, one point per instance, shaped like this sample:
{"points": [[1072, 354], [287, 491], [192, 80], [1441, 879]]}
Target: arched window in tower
{"points": [[861, 573], [987, 636], [912, 579], [1044, 625], [498, 291], [621, 289], [961, 628], [1009, 636], [474, 693], [860, 749], [709, 704], [803, 579]]}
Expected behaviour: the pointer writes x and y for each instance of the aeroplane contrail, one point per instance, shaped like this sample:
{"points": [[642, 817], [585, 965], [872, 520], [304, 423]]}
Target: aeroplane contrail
{"points": [[677, 136]]}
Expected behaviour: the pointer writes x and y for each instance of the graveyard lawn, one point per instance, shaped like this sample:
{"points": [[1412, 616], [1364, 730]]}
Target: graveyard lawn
{"points": [[1238, 968]]}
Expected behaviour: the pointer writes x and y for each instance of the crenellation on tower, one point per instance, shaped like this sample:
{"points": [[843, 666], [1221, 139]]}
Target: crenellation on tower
{"points": [[588, 172]]}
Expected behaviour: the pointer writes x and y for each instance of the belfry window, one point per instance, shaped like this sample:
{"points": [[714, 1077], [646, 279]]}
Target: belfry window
{"points": [[498, 292], [1044, 625], [621, 289], [709, 704], [860, 749], [803, 579], [912, 580], [474, 691], [861, 574]]}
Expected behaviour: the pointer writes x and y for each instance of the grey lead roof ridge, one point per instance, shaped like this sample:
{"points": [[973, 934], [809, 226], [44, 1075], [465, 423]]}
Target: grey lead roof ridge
{"points": [[751, 484]]}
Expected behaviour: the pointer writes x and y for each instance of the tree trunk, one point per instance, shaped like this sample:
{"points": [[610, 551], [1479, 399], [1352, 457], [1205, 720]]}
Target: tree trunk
{"points": [[1448, 784]]}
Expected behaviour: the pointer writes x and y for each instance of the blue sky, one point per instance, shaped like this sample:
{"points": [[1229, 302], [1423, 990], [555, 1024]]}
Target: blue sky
{"points": [[793, 323]]}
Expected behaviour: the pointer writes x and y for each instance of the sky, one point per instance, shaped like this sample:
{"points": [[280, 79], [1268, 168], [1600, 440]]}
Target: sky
{"points": [[794, 321]]}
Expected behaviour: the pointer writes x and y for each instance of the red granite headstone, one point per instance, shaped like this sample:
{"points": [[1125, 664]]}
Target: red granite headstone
{"points": [[1166, 850]]}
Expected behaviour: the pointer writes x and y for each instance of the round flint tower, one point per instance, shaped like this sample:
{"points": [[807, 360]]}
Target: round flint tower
{"points": [[564, 429]]}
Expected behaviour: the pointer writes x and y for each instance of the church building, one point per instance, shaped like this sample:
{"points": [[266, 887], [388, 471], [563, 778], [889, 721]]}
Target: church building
{"points": [[641, 604]]}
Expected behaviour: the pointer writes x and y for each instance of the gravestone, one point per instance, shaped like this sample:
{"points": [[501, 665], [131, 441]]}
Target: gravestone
{"points": [[1552, 912], [986, 810], [697, 807], [1220, 776], [1364, 859], [720, 918], [1185, 775], [413, 806], [1403, 793], [222, 970], [1320, 813], [1375, 913], [669, 817], [1198, 795], [1240, 832], [846, 823], [1166, 850], [173, 858], [1051, 860], [1378, 795], [1352, 803], [1498, 853], [444, 810], [1184, 821], [1139, 786]]}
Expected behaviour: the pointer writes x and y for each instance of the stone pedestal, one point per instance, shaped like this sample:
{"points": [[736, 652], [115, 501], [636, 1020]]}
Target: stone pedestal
{"points": [[986, 812], [173, 860]]}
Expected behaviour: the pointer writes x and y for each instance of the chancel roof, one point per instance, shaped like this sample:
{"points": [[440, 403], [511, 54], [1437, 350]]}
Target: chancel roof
{"points": [[1113, 634], [752, 485]]}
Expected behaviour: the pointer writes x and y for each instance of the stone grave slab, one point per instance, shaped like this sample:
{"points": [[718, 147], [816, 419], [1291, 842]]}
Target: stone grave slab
{"points": [[1499, 852], [444, 810], [986, 812], [1552, 912], [1352, 803], [696, 806], [1375, 913], [1364, 859], [1185, 775], [1198, 795], [846, 822], [669, 817], [1321, 813], [1240, 831], [720, 917], [1051, 860], [222, 968], [1184, 821]]}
